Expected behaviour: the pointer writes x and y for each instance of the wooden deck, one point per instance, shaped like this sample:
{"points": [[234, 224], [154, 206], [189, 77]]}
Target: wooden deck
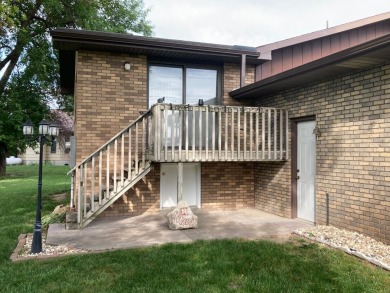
{"points": [[177, 134]]}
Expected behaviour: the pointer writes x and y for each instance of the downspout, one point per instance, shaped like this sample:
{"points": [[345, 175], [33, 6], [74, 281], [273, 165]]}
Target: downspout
{"points": [[243, 70]]}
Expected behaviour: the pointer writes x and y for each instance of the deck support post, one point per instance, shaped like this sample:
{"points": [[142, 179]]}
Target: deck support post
{"points": [[179, 181]]}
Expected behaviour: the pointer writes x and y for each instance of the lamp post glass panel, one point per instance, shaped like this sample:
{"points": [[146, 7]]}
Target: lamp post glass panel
{"points": [[44, 128]]}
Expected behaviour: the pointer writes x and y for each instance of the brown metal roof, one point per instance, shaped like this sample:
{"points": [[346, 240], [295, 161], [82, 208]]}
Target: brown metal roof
{"points": [[323, 33], [356, 58]]}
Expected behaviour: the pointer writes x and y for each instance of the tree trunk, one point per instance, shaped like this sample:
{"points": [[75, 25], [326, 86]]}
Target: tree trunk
{"points": [[3, 156]]}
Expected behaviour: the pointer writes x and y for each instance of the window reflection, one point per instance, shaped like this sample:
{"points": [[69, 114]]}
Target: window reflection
{"points": [[201, 84], [165, 82]]}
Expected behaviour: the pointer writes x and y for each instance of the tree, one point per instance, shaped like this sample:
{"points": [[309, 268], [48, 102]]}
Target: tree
{"points": [[29, 66]]}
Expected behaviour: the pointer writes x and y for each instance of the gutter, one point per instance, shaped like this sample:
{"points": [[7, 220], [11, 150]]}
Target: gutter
{"points": [[123, 40]]}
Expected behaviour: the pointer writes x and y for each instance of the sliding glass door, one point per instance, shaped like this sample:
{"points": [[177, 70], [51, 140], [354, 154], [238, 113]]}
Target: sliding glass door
{"points": [[183, 85]]}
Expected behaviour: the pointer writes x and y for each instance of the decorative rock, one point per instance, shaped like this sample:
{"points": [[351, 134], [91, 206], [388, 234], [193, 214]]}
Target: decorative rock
{"points": [[60, 209], [182, 217], [47, 250]]}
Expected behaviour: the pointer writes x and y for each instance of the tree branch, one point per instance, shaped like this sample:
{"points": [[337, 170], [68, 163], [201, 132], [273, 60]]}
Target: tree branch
{"points": [[4, 79], [6, 46], [44, 21]]}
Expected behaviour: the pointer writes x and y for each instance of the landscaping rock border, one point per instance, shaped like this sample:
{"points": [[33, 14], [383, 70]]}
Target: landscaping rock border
{"points": [[22, 250], [352, 243]]}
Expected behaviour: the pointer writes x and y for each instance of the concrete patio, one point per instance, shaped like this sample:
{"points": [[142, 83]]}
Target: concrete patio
{"points": [[119, 233]]}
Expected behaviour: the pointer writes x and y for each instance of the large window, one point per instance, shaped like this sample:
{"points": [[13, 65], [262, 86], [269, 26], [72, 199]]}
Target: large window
{"points": [[183, 85]]}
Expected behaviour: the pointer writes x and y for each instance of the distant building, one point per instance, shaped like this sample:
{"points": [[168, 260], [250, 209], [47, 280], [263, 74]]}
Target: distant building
{"points": [[54, 153]]}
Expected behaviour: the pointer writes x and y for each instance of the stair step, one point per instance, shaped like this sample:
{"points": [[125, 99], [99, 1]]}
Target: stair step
{"points": [[104, 187], [96, 197], [126, 174], [113, 196], [71, 221]]}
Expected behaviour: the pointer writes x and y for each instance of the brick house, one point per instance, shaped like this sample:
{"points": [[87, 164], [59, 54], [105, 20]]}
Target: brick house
{"points": [[299, 128]]}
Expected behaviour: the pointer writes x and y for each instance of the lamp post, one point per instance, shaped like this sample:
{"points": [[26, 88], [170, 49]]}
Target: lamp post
{"points": [[44, 128]]}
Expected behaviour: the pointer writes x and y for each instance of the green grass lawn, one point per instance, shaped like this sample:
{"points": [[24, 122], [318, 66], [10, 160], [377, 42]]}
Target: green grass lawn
{"points": [[203, 266]]}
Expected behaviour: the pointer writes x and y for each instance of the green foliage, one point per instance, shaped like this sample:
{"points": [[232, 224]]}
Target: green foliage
{"points": [[52, 218], [18, 195], [23, 100], [29, 64]]}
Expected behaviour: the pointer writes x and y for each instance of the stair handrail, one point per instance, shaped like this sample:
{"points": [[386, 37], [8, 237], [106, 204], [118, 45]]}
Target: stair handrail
{"points": [[88, 158]]}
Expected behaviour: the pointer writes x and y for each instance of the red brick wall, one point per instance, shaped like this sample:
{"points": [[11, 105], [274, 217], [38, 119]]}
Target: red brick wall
{"points": [[271, 188], [231, 81], [227, 185], [107, 98], [353, 152], [224, 186]]}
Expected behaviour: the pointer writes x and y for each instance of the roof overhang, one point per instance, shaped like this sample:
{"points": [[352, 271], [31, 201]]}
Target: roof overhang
{"points": [[68, 41], [356, 58]]}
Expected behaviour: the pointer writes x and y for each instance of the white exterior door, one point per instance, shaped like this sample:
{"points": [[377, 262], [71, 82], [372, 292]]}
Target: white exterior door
{"points": [[306, 175], [168, 184]]}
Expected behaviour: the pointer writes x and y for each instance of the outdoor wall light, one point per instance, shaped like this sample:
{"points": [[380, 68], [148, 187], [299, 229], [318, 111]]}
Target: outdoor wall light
{"points": [[44, 128], [317, 132], [127, 66]]}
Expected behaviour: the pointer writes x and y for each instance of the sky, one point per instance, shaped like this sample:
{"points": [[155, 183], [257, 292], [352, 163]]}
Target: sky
{"points": [[253, 22]]}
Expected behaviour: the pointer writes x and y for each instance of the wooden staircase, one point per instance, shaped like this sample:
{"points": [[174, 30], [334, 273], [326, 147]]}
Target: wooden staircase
{"points": [[112, 170], [176, 134]]}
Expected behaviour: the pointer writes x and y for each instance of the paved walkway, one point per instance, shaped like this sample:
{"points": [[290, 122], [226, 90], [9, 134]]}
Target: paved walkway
{"points": [[117, 233]]}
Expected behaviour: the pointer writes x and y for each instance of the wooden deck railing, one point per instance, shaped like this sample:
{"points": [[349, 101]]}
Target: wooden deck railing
{"points": [[185, 133]]}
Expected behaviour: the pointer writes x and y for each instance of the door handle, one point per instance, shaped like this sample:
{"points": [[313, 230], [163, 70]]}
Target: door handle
{"points": [[297, 177]]}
